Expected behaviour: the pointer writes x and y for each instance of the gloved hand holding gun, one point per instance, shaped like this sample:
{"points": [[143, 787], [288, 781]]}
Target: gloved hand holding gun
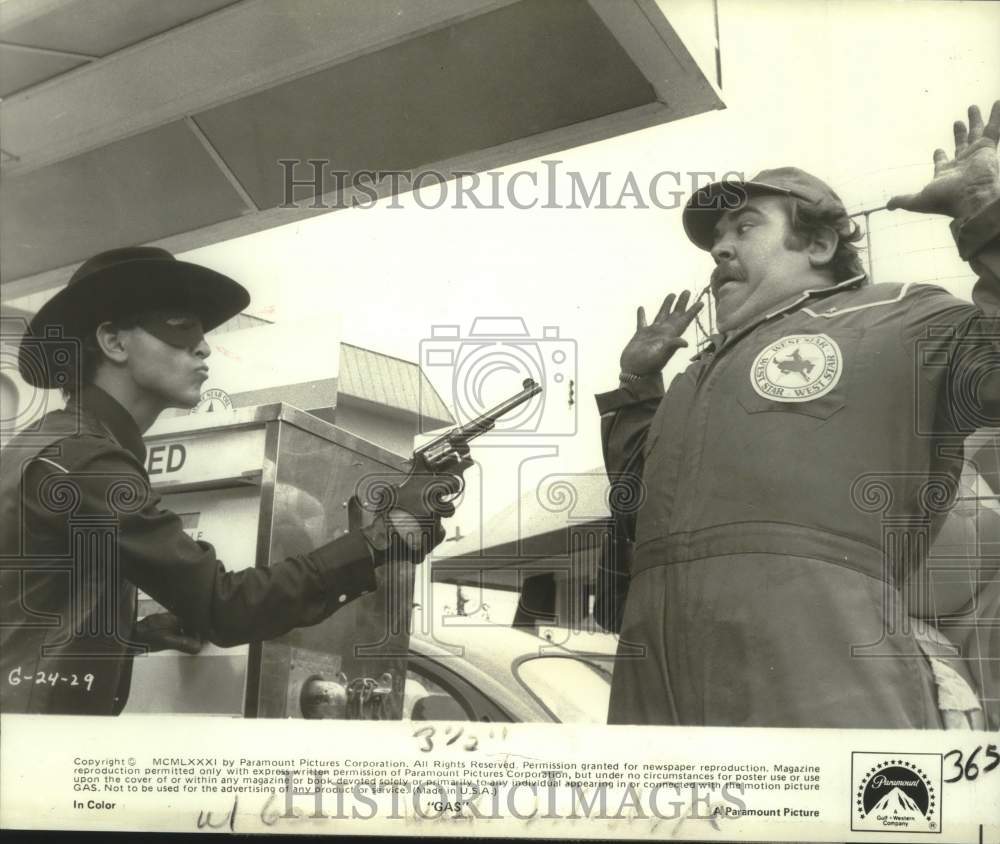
{"points": [[163, 631], [403, 521]]}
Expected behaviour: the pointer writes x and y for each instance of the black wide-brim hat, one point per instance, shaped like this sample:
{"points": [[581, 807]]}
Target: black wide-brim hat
{"points": [[116, 284]]}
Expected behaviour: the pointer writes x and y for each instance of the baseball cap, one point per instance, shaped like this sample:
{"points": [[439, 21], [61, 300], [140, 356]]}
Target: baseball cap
{"points": [[709, 203]]}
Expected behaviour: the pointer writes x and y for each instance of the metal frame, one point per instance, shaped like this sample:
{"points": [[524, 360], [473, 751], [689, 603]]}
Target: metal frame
{"points": [[265, 528], [248, 417], [275, 419], [866, 213]]}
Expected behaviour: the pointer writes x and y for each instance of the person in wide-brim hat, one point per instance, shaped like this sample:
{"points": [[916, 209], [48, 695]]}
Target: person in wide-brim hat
{"points": [[76, 494], [114, 285]]}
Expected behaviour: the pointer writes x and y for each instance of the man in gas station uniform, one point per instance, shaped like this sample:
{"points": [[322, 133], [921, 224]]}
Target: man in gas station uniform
{"points": [[141, 316], [824, 407]]}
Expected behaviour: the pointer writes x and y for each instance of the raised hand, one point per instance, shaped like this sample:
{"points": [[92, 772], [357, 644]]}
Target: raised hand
{"points": [[653, 345], [966, 183]]}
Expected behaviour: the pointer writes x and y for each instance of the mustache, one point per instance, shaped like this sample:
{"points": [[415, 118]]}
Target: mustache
{"points": [[724, 273]]}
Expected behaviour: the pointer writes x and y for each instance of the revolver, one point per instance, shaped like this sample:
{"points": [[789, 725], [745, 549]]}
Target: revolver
{"points": [[434, 458], [452, 445]]}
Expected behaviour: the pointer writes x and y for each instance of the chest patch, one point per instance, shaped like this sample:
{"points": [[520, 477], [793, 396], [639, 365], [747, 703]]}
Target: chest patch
{"points": [[799, 367]]}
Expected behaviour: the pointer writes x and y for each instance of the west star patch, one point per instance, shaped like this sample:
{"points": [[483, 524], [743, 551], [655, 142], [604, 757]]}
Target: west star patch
{"points": [[799, 367]]}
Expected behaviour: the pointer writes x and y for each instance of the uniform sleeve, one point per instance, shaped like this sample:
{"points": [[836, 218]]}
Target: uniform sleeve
{"points": [[626, 414], [955, 344], [186, 577], [976, 368], [956, 348], [978, 241]]}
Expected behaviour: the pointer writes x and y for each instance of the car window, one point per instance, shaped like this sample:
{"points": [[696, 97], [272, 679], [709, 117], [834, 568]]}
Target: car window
{"points": [[571, 689], [435, 692], [425, 700]]}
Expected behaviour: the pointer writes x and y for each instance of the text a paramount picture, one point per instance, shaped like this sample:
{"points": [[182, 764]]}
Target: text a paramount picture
{"points": [[565, 419]]}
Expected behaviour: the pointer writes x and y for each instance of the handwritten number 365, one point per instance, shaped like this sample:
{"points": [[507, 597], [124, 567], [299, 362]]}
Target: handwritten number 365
{"points": [[969, 770]]}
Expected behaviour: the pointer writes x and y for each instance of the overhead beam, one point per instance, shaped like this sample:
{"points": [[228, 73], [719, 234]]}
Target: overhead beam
{"points": [[220, 162], [333, 34], [45, 51], [206, 63], [522, 149], [14, 13], [658, 51]]}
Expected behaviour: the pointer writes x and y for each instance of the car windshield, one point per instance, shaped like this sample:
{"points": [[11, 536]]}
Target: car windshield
{"points": [[573, 690]]}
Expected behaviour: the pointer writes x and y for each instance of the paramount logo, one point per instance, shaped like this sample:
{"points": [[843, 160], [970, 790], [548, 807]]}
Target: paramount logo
{"points": [[896, 802], [881, 782], [896, 793]]}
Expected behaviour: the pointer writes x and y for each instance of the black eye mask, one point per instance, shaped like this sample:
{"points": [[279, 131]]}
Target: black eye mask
{"points": [[178, 330]]}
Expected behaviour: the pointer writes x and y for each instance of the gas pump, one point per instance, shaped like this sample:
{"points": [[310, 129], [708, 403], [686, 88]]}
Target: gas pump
{"points": [[260, 484]]}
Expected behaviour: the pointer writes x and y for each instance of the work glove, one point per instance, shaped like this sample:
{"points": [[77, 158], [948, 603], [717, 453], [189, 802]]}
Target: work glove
{"points": [[162, 631], [654, 344], [403, 521]]}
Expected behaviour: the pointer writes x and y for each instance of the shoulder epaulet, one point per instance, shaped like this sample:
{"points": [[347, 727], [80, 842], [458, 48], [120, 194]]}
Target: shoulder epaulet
{"points": [[52, 463], [870, 296]]}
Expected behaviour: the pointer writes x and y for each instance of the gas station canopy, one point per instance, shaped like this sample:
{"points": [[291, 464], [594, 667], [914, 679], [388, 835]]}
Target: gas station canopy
{"points": [[138, 121]]}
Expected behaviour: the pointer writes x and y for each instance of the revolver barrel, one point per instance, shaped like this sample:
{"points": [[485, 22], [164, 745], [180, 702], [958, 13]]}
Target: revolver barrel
{"points": [[439, 448]]}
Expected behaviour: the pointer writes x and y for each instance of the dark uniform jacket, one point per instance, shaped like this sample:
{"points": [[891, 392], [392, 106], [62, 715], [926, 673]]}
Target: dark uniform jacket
{"points": [[81, 529], [791, 480]]}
